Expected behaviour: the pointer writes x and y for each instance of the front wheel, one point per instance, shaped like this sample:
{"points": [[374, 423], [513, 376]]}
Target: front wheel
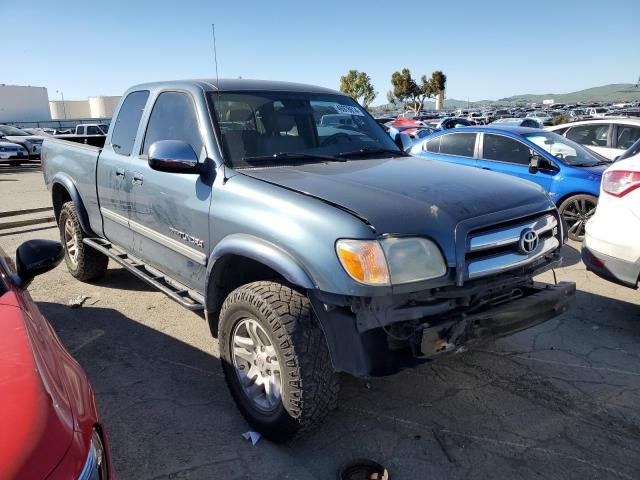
{"points": [[576, 211], [275, 360]]}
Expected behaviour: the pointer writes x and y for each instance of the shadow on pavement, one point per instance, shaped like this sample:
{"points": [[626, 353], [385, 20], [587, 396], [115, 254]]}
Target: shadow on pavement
{"points": [[557, 401]]}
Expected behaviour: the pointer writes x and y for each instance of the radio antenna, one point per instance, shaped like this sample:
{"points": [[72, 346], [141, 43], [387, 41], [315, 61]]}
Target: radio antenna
{"points": [[215, 54]]}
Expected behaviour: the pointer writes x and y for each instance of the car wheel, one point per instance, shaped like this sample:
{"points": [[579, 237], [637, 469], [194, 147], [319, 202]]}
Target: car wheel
{"points": [[83, 262], [576, 211], [275, 360]]}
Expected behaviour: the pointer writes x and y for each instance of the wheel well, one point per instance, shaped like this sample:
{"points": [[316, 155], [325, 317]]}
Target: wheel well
{"points": [[573, 194], [60, 196], [230, 272]]}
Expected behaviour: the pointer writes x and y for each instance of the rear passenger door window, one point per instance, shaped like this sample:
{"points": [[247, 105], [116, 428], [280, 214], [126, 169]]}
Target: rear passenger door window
{"points": [[505, 149], [173, 118], [589, 135], [627, 135], [128, 121], [459, 144]]}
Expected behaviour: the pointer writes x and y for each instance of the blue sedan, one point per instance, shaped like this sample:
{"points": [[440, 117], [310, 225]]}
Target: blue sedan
{"points": [[568, 172]]}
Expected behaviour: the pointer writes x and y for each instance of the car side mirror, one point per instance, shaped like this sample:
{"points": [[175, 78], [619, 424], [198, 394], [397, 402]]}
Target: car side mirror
{"points": [[34, 258], [173, 156], [404, 142], [538, 162]]}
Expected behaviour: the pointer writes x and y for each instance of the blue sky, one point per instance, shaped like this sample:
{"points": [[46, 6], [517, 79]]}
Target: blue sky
{"points": [[487, 49]]}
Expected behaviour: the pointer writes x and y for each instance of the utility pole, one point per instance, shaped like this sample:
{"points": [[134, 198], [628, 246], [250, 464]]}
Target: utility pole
{"points": [[64, 105]]}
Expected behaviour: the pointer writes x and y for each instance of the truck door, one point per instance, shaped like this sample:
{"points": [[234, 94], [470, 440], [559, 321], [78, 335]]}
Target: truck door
{"points": [[170, 211], [113, 173]]}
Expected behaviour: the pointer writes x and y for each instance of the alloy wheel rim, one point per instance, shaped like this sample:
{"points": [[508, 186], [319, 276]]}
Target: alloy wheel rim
{"points": [[577, 213], [257, 366], [71, 241]]}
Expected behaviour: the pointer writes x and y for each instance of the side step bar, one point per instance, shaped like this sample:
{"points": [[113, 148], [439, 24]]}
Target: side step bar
{"points": [[176, 291]]}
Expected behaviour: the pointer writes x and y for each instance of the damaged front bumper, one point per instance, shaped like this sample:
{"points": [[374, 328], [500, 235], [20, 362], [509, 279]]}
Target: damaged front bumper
{"points": [[447, 321]]}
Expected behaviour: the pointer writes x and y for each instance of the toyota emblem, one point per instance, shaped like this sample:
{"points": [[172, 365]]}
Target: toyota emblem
{"points": [[528, 241]]}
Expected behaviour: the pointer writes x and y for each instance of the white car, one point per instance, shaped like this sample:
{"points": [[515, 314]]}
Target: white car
{"points": [[611, 248], [597, 112], [13, 153], [541, 116], [610, 137]]}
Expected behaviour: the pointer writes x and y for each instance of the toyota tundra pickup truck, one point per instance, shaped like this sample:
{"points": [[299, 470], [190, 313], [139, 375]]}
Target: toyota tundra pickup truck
{"points": [[311, 247]]}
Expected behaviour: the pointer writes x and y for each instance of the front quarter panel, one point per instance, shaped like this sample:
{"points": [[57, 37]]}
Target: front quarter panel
{"points": [[305, 229]]}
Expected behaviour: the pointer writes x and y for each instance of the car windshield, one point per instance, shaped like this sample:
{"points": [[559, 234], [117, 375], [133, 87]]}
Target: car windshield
{"points": [[260, 128], [12, 131], [565, 150]]}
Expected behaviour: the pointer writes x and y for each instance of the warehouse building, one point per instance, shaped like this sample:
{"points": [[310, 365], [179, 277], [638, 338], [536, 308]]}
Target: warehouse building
{"points": [[94, 107], [23, 104]]}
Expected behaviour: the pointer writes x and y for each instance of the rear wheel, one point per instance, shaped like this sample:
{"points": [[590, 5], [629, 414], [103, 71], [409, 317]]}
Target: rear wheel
{"points": [[83, 262], [576, 211], [275, 360]]}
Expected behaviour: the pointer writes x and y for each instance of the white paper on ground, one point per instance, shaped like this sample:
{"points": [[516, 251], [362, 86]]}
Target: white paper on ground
{"points": [[253, 436]]}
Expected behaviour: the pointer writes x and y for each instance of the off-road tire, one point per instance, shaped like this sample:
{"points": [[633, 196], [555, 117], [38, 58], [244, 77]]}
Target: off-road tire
{"points": [[574, 206], [90, 264], [309, 384]]}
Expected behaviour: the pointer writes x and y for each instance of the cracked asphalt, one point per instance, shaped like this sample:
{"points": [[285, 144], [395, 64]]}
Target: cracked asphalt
{"points": [[559, 401]]}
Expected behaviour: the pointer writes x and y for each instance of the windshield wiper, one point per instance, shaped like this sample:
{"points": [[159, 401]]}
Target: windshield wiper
{"points": [[292, 156], [371, 151]]}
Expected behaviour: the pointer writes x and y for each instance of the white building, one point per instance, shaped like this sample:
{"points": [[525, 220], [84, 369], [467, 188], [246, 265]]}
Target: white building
{"points": [[94, 107], [23, 104]]}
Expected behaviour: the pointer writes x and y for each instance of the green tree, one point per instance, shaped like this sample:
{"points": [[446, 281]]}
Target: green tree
{"points": [[408, 91], [438, 81], [358, 86]]}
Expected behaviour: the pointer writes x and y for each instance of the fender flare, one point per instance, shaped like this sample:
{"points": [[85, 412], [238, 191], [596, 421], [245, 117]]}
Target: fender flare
{"points": [[255, 249], [67, 183], [263, 252]]}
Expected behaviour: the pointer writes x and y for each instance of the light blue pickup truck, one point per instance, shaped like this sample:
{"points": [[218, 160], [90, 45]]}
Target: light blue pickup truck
{"points": [[311, 241]]}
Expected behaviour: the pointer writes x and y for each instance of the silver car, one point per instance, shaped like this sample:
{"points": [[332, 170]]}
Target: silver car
{"points": [[32, 143], [12, 152]]}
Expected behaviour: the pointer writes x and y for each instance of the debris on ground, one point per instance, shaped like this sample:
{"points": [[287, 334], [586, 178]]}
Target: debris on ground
{"points": [[363, 469], [78, 301], [253, 436]]}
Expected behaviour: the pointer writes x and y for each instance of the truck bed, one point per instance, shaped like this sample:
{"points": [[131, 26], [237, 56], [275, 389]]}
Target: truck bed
{"points": [[73, 165]]}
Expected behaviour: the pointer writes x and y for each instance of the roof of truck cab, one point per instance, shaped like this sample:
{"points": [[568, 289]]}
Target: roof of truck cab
{"points": [[239, 84]]}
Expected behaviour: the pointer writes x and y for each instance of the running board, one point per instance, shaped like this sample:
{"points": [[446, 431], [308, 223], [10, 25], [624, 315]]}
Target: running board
{"points": [[174, 290]]}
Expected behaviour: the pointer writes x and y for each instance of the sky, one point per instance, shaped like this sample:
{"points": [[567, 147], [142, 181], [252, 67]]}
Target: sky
{"points": [[487, 49]]}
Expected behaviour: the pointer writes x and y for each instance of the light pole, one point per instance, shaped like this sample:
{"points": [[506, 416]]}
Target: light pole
{"points": [[64, 105]]}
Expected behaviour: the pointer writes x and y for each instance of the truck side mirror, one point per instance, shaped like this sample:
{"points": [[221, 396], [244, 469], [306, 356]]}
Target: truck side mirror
{"points": [[173, 156], [404, 142], [34, 258]]}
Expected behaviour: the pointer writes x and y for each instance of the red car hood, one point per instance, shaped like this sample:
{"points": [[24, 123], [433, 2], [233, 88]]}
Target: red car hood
{"points": [[36, 420]]}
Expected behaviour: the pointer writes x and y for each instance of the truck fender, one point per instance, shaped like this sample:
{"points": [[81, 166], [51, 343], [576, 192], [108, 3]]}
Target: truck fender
{"points": [[256, 249], [64, 181]]}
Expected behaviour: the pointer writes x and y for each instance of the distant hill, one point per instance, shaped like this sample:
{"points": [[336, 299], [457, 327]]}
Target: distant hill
{"points": [[615, 92]]}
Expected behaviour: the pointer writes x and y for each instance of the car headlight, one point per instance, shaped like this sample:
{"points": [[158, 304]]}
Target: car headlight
{"points": [[95, 467], [393, 260]]}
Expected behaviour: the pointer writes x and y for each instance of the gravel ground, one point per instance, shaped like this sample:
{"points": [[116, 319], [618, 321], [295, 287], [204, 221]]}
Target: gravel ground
{"points": [[561, 400]]}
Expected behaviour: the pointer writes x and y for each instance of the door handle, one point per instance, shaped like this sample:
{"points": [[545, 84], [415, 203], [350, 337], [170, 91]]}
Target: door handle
{"points": [[137, 179], [486, 168], [120, 172]]}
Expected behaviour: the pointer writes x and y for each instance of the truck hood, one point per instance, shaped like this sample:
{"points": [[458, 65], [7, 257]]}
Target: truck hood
{"points": [[412, 195]]}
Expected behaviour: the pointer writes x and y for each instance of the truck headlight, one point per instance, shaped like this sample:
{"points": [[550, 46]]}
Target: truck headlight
{"points": [[393, 260], [95, 467], [412, 259]]}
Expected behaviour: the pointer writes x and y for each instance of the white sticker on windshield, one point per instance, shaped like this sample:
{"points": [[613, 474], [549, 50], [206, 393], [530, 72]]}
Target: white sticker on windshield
{"points": [[348, 109]]}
